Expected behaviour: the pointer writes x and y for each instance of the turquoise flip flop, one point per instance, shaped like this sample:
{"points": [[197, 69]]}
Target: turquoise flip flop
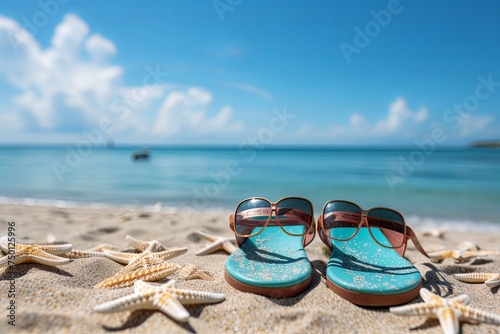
{"points": [[365, 273], [272, 263]]}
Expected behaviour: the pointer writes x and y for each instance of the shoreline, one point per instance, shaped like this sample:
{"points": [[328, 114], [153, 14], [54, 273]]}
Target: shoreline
{"points": [[61, 299]]}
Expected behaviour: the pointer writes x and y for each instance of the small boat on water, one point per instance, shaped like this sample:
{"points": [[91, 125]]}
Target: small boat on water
{"points": [[141, 155]]}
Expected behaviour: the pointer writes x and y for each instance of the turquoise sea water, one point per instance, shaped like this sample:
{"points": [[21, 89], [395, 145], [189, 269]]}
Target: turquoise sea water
{"points": [[458, 187]]}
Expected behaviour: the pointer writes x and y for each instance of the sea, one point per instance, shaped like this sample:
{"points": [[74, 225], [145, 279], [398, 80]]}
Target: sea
{"points": [[454, 188]]}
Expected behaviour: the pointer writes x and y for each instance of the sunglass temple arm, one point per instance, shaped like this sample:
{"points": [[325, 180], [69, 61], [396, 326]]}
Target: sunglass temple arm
{"points": [[414, 239]]}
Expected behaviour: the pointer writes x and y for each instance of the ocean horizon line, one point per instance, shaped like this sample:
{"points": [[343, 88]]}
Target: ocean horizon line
{"points": [[233, 147]]}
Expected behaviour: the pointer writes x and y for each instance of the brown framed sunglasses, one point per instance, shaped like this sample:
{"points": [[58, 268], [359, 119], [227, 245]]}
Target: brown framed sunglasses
{"points": [[341, 220], [294, 215]]}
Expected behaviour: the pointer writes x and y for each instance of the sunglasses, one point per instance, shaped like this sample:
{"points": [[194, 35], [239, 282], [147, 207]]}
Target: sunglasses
{"points": [[341, 221], [294, 215]]}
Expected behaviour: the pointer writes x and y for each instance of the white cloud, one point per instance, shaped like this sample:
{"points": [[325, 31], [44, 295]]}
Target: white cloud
{"points": [[421, 115], [99, 48], [187, 111], [59, 89], [400, 117], [71, 85], [221, 122], [69, 36], [474, 124], [400, 120]]}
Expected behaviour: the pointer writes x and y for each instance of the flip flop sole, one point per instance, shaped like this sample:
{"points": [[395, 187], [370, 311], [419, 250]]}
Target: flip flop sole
{"points": [[365, 299], [278, 292], [364, 273], [271, 263]]}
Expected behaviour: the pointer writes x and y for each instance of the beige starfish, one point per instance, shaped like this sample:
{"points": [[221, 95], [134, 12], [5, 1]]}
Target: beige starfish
{"points": [[152, 273], [143, 246], [217, 243], [490, 279], [190, 272], [166, 298], [463, 252], [79, 254], [97, 251], [4, 242], [448, 311], [129, 258], [34, 253], [460, 255], [145, 260]]}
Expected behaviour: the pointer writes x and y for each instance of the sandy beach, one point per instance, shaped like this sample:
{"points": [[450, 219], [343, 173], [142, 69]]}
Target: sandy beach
{"points": [[61, 300]]}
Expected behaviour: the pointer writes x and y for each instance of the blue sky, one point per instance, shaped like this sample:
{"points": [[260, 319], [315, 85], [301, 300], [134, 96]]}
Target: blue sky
{"points": [[349, 72]]}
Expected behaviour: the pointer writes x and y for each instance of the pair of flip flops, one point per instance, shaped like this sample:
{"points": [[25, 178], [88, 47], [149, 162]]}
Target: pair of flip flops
{"points": [[275, 264]]}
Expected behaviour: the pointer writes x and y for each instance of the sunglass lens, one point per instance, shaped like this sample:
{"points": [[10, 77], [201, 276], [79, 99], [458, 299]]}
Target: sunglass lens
{"points": [[342, 219], [295, 215], [387, 227], [251, 216]]}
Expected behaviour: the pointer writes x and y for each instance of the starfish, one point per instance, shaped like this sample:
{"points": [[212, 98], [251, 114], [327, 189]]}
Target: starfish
{"points": [[129, 258], [145, 260], [193, 272], [490, 279], [143, 246], [97, 251], [34, 253], [460, 255], [463, 252], [448, 311], [166, 298], [217, 243], [79, 254], [150, 274], [4, 243]]}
